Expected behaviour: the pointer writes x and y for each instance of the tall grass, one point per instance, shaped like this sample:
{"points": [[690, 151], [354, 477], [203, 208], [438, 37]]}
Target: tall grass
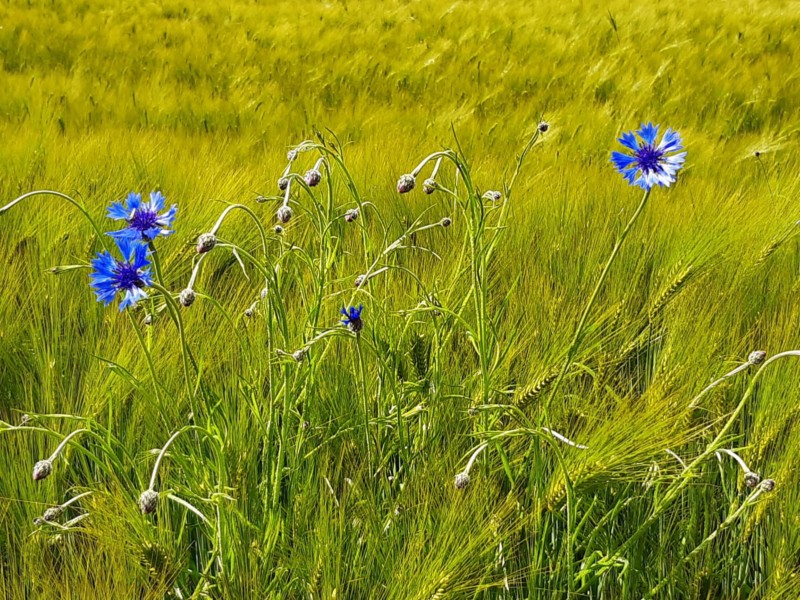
{"points": [[334, 475]]}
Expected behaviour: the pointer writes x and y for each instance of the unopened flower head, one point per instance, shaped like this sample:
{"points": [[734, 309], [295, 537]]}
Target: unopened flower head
{"points": [[278, 229], [650, 163], [143, 218], [148, 501], [751, 479], [285, 214], [42, 469], [148, 319], [127, 277], [756, 357], [283, 183], [462, 480], [291, 156], [360, 280], [187, 297], [51, 514], [406, 183], [768, 485], [264, 293], [351, 215], [299, 355], [206, 242], [543, 126], [429, 185], [352, 318], [446, 222], [312, 177], [493, 195]]}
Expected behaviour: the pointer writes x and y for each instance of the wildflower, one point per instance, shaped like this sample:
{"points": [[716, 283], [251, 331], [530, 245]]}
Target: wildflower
{"points": [[278, 229], [187, 297], [299, 355], [756, 357], [493, 195], [752, 479], [285, 214], [206, 242], [351, 215], [143, 218], [462, 480], [650, 164], [352, 318], [768, 485], [42, 469], [359, 281], [128, 276], [148, 501], [543, 126], [429, 185], [291, 156], [283, 183], [446, 222], [406, 183], [51, 514], [312, 177]]}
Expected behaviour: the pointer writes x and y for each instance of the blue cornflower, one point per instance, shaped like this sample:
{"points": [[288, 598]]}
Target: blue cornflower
{"points": [[650, 164], [127, 276], [352, 318], [143, 218]]}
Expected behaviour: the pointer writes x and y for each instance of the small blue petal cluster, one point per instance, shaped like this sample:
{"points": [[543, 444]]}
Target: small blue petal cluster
{"points": [[352, 318], [650, 164], [130, 275], [143, 218], [127, 276]]}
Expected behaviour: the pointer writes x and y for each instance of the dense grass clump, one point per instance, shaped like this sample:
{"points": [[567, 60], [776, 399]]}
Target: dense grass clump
{"points": [[503, 412]]}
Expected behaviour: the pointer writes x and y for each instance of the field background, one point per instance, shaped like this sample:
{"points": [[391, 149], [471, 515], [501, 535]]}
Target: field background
{"points": [[203, 99]]}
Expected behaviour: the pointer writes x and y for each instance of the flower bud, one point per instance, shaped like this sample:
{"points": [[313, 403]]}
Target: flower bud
{"points": [[42, 469], [285, 214], [148, 501], [751, 479], [148, 319], [543, 126], [360, 280], [429, 185], [283, 183], [446, 222], [768, 485], [351, 215], [291, 156], [187, 297], [756, 357], [249, 312], [278, 229], [406, 183], [206, 242], [51, 514], [299, 355], [264, 293], [493, 195], [462, 480], [312, 177]]}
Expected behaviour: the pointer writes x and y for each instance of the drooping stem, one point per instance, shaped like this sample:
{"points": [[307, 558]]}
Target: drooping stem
{"points": [[161, 456]]}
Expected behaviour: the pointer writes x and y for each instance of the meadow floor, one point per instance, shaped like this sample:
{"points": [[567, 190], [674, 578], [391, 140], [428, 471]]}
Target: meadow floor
{"points": [[493, 429]]}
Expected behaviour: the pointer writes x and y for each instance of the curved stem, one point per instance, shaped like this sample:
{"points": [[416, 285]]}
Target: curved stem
{"points": [[160, 456], [64, 443]]}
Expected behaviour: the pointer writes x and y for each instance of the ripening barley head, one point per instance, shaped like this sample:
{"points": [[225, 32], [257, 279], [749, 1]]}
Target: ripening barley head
{"points": [[352, 318], [127, 277], [650, 163], [145, 219]]}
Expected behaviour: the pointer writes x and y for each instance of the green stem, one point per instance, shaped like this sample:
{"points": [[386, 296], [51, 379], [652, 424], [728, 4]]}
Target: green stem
{"points": [[577, 338]]}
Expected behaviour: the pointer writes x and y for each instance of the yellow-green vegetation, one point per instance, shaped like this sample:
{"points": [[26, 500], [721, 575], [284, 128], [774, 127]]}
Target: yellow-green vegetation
{"points": [[311, 462]]}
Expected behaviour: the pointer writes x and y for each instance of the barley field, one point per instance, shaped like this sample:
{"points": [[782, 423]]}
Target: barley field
{"points": [[548, 381]]}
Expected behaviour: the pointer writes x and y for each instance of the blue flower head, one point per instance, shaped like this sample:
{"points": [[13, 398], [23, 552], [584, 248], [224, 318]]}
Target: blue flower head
{"points": [[143, 218], [352, 318], [650, 163], [128, 276]]}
